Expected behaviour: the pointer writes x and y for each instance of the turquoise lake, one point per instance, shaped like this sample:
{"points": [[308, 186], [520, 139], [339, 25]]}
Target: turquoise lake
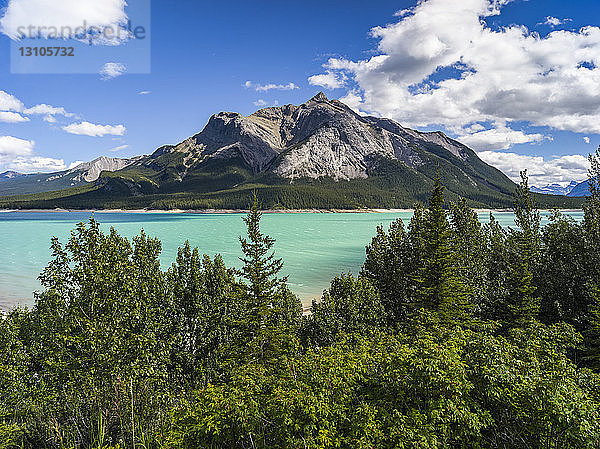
{"points": [[314, 246]]}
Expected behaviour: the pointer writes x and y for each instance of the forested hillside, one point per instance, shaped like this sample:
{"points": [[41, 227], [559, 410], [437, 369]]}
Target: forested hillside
{"points": [[317, 155], [453, 335]]}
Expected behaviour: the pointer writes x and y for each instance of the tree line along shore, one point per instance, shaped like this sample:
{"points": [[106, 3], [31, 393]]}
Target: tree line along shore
{"points": [[454, 334]]}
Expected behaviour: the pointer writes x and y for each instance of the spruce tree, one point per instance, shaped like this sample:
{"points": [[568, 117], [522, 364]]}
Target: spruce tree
{"points": [[522, 305], [439, 285], [260, 265], [271, 308], [591, 226]]}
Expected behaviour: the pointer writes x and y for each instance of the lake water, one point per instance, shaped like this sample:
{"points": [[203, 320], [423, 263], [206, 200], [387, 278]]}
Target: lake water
{"points": [[314, 246]]}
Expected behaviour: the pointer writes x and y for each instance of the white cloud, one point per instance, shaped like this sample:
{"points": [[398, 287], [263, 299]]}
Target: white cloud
{"points": [[74, 164], [9, 102], [49, 119], [353, 100], [119, 148], [93, 130], [144, 92], [586, 139], [46, 109], [36, 164], [270, 86], [541, 172], [260, 103], [111, 70], [329, 80], [12, 117], [498, 75], [13, 146], [17, 154], [500, 137], [52, 19], [403, 12], [553, 21]]}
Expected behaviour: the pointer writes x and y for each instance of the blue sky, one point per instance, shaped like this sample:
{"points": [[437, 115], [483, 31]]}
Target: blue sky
{"points": [[429, 67]]}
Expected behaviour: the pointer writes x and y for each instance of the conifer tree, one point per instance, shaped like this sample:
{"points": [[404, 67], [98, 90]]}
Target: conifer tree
{"points": [[271, 308], [493, 303], [468, 238], [389, 265], [522, 305], [439, 286], [591, 226]]}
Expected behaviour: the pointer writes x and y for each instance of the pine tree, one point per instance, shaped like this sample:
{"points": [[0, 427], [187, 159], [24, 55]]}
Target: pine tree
{"points": [[439, 285], [522, 304]]}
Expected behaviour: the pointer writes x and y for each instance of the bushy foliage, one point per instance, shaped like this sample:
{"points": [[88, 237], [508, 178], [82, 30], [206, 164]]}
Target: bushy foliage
{"points": [[439, 388], [453, 335]]}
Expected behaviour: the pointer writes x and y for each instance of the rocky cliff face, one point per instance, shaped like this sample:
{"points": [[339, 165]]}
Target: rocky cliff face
{"points": [[320, 138], [90, 171]]}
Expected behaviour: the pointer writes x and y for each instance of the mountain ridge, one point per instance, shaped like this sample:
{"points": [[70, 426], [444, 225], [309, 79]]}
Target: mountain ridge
{"points": [[320, 154], [83, 173]]}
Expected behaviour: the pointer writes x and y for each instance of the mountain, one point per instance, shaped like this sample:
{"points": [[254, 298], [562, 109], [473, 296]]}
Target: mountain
{"points": [[320, 154], [9, 175], [581, 189], [555, 189], [20, 184]]}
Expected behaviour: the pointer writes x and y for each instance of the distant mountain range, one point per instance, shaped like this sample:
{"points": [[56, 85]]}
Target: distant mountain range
{"points": [[320, 154], [581, 189], [9, 175], [13, 183], [556, 188], [573, 189]]}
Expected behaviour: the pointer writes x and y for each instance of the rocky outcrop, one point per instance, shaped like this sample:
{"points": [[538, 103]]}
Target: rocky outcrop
{"points": [[320, 138], [90, 171]]}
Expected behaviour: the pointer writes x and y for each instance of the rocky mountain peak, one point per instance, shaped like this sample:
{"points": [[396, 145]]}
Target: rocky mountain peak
{"points": [[10, 174], [320, 138], [320, 98], [90, 171]]}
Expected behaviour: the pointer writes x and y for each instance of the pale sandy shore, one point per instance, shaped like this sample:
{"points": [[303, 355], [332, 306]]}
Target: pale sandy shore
{"points": [[244, 211]]}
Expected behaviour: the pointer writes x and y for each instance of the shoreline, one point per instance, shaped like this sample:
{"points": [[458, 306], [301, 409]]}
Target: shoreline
{"points": [[245, 211]]}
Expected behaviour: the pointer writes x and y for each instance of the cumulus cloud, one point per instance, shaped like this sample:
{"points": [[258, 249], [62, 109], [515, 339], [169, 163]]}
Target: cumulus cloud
{"points": [[270, 86], [17, 154], [36, 164], [47, 110], [554, 21], [75, 164], [93, 130], [329, 80], [541, 172], [52, 19], [13, 146], [500, 137], [9, 102], [12, 117], [441, 64], [111, 70], [586, 139], [260, 103]]}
